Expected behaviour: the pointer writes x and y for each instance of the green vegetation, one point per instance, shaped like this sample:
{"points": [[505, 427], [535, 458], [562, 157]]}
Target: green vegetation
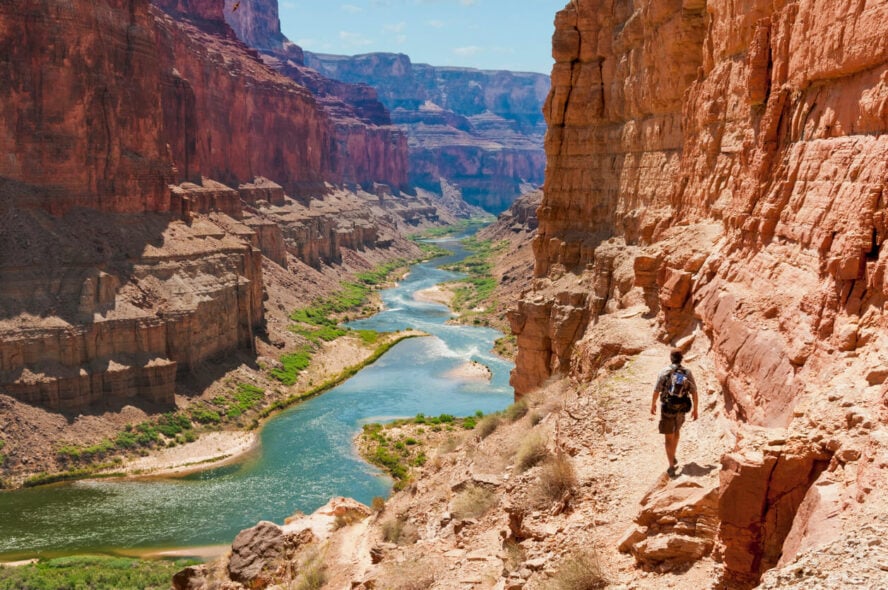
{"points": [[2, 456], [477, 288], [398, 454], [92, 572], [430, 250], [318, 322], [462, 226], [169, 429]]}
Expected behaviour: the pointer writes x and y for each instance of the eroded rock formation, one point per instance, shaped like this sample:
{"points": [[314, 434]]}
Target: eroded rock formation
{"points": [[480, 130], [726, 165], [367, 147]]}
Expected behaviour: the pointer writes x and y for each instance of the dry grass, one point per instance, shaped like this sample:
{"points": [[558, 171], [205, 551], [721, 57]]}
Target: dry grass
{"points": [[377, 504], [516, 411], [473, 502], [488, 425], [348, 518], [399, 531], [557, 479], [312, 574], [531, 452], [450, 444], [579, 570]]}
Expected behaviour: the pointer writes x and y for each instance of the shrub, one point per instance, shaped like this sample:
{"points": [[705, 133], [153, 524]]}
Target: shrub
{"points": [[377, 504], [291, 366], [473, 502], [516, 411], [98, 573], [399, 531], [557, 478], [531, 452], [204, 415], [579, 571], [488, 425]]}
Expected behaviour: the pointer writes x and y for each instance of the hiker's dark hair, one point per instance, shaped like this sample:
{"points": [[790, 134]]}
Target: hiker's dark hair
{"points": [[675, 356]]}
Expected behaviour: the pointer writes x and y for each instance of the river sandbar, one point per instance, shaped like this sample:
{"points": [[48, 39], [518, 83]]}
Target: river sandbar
{"points": [[470, 371], [435, 294]]}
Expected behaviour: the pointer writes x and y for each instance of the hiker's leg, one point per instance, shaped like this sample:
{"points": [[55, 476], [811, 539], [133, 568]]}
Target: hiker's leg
{"points": [[671, 443]]}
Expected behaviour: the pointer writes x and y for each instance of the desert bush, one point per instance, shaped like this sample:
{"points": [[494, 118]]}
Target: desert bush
{"points": [[557, 478], [516, 411], [536, 418], [531, 452], [579, 571], [473, 502], [348, 518], [488, 425], [399, 531]]}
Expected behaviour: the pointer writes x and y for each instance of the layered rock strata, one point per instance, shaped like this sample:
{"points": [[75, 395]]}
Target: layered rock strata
{"points": [[479, 130], [367, 147], [101, 309], [726, 165]]}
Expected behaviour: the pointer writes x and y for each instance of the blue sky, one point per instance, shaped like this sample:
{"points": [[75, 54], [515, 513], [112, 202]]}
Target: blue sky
{"points": [[486, 34]]}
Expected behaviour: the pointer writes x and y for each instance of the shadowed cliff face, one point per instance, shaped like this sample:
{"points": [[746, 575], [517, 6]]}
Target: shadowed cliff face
{"points": [[480, 130], [725, 165], [74, 129]]}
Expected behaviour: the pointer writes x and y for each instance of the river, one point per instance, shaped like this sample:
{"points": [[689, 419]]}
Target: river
{"points": [[306, 453]]}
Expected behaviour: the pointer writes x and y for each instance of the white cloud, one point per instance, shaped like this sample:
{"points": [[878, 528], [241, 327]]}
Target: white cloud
{"points": [[351, 8], [401, 39], [395, 28], [467, 51], [467, 2], [354, 39], [437, 24]]}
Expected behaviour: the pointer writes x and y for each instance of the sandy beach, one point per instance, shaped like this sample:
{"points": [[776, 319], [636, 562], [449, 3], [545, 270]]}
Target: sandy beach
{"points": [[210, 450], [436, 294], [470, 371]]}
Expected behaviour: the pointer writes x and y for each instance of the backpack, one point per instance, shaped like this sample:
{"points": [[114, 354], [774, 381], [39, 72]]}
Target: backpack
{"points": [[675, 394]]}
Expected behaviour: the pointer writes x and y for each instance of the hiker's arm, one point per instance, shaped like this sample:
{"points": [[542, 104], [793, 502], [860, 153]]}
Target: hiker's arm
{"points": [[654, 401]]}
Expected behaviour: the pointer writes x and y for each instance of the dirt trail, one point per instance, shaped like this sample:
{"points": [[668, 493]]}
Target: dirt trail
{"points": [[621, 455]]}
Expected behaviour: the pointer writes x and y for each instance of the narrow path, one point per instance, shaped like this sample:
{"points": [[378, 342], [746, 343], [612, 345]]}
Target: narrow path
{"points": [[620, 454]]}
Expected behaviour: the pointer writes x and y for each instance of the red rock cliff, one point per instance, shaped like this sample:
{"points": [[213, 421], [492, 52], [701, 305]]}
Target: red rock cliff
{"points": [[479, 130], [74, 129], [727, 165], [367, 147]]}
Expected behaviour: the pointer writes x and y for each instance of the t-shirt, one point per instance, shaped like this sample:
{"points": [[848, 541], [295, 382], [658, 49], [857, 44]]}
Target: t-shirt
{"points": [[663, 380]]}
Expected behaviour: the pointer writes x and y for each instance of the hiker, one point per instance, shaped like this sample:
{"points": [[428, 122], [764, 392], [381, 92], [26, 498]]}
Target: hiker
{"points": [[676, 388]]}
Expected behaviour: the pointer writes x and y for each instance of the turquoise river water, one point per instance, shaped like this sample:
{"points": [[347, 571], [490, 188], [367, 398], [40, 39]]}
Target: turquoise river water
{"points": [[306, 453]]}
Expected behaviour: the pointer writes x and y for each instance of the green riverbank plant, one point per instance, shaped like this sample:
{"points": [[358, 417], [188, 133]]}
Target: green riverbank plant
{"points": [[92, 572]]}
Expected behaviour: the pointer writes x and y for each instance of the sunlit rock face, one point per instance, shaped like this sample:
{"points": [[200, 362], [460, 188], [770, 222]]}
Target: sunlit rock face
{"points": [[479, 130], [724, 164], [366, 147]]}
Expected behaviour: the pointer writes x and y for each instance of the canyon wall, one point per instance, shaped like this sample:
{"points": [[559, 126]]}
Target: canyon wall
{"points": [[725, 166], [367, 148], [74, 129], [480, 130], [146, 158]]}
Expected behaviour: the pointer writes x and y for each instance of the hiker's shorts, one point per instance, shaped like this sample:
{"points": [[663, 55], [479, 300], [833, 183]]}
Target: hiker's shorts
{"points": [[671, 423]]}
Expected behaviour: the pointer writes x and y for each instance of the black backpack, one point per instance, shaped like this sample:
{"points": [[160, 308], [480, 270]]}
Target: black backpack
{"points": [[675, 396]]}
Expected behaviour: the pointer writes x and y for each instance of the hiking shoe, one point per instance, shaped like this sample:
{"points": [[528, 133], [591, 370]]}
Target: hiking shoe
{"points": [[671, 471]]}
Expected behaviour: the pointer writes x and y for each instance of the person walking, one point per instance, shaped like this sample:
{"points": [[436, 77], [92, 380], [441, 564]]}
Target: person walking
{"points": [[677, 392]]}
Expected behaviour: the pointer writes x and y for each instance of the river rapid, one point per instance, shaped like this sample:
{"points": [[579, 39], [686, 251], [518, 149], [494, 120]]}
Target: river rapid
{"points": [[306, 453]]}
